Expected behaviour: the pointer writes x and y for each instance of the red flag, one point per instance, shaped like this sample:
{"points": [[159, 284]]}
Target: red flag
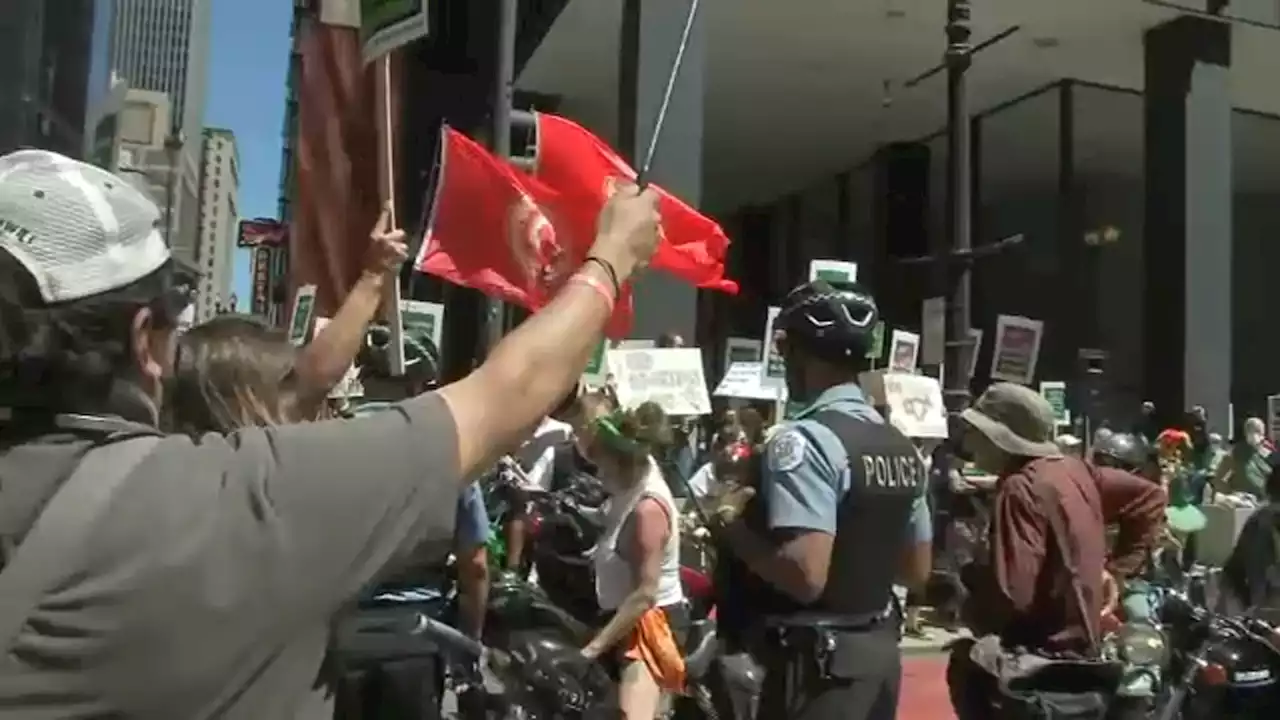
{"points": [[499, 231], [583, 170]]}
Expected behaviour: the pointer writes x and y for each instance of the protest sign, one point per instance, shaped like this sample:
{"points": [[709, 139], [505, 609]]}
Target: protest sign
{"points": [[1055, 392], [386, 25], [670, 377], [349, 386], [425, 316], [972, 350], [741, 350], [933, 331], [1273, 417], [773, 371], [304, 307], [1017, 347], [904, 351], [743, 381], [915, 405], [833, 271], [876, 348], [596, 373]]}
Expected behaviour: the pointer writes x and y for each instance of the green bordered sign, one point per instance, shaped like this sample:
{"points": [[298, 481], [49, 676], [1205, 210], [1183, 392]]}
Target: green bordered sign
{"points": [[1055, 393], [386, 25], [877, 342]]}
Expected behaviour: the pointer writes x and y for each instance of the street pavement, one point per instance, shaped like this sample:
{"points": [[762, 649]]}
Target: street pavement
{"points": [[924, 688]]}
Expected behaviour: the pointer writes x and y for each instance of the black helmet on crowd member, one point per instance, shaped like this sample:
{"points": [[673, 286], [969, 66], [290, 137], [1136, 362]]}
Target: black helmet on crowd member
{"points": [[833, 321], [1121, 450]]}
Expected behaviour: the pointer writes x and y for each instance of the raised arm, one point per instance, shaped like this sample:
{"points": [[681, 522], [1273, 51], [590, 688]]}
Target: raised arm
{"points": [[322, 363], [538, 363]]}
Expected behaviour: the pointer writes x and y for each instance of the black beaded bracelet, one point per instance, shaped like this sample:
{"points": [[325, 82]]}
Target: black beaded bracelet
{"points": [[608, 270]]}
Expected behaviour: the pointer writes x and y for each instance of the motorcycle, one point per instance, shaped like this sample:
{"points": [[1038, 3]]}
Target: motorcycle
{"points": [[1220, 666]]}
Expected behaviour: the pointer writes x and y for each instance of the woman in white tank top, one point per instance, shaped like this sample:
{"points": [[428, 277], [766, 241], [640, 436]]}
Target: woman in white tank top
{"points": [[637, 561]]}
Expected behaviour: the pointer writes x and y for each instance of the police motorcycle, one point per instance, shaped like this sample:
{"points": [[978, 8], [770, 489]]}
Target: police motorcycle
{"points": [[534, 678], [1219, 666]]}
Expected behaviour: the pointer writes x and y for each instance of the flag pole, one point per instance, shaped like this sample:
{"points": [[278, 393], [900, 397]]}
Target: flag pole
{"points": [[387, 177], [504, 98], [642, 178]]}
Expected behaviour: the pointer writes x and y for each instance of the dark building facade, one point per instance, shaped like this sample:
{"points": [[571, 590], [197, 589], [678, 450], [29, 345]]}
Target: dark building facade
{"points": [[45, 58]]}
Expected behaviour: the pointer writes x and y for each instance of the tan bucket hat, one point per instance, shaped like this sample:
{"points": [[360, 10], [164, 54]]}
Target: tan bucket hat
{"points": [[1015, 419]]}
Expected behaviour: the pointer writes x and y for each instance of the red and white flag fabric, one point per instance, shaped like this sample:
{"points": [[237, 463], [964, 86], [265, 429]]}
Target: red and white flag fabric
{"points": [[583, 170], [498, 230]]}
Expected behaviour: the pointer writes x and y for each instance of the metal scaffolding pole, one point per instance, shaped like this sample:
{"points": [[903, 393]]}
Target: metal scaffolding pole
{"points": [[503, 100]]}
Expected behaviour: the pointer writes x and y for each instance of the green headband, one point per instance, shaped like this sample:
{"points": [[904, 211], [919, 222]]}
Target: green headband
{"points": [[607, 430]]}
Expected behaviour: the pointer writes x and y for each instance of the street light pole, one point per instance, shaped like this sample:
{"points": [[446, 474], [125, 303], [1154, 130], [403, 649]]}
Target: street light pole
{"points": [[959, 204], [504, 98]]}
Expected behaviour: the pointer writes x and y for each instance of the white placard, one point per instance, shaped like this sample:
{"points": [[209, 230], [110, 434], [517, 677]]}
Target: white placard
{"points": [[933, 331], [1017, 348], [1273, 417], [670, 377], [773, 371], [741, 350], [834, 270], [904, 351], [975, 349], [743, 381], [915, 405], [634, 345], [304, 308], [349, 386]]}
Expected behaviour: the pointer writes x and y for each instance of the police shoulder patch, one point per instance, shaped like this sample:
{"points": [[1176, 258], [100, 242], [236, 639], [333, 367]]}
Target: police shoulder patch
{"points": [[786, 450]]}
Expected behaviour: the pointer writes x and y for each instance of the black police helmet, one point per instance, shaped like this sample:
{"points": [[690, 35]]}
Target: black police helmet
{"points": [[1123, 450], [834, 321]]}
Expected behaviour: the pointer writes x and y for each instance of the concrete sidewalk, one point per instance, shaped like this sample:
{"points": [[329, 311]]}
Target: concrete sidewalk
{"points": [[931, 640]]}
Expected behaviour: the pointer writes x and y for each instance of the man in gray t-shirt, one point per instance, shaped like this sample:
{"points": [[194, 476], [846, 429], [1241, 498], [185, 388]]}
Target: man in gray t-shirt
{"points": [[201, 576]]}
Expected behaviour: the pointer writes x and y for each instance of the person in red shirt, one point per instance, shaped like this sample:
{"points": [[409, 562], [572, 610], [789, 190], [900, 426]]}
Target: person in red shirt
{"points": [[1026, 593]]}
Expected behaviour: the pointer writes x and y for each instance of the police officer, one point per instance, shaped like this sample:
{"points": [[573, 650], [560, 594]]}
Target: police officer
{"points": [[839, 515]]}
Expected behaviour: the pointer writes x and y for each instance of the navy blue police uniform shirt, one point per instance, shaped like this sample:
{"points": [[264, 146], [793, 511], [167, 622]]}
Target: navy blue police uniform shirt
{"points": [[807, 471]]}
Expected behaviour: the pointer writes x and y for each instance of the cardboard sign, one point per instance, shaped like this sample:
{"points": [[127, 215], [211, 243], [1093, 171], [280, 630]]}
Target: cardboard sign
{"points": [[386, 25], [915, 405], [1273, 417], [1017, 348], [904, 351], [670, 377], [933, 331], [1055, 393], [773, 371], [741, 350], [743, 381], [304, 307], [833, 271]]}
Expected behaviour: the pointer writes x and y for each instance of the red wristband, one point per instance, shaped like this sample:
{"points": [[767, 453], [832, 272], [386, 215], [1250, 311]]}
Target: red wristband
{"points": [[594, 284]]}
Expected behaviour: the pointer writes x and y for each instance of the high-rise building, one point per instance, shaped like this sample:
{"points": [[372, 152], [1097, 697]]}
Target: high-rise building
{"points": [[163, 46], [44, 74], [219, 221]]}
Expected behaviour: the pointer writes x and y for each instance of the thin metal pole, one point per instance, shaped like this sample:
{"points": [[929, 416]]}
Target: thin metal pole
{"points": [[642, 177], [959, 193], [503, 100]]}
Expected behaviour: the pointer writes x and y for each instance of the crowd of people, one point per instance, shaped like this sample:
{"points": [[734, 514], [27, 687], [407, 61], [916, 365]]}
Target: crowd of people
{"points": [[184, 516]]}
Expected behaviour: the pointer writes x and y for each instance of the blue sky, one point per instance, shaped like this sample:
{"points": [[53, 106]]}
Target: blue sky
{"points": [[247, 66]]}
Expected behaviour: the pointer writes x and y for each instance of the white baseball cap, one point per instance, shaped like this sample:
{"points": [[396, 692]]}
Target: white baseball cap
{"points": [[78, 229]]}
